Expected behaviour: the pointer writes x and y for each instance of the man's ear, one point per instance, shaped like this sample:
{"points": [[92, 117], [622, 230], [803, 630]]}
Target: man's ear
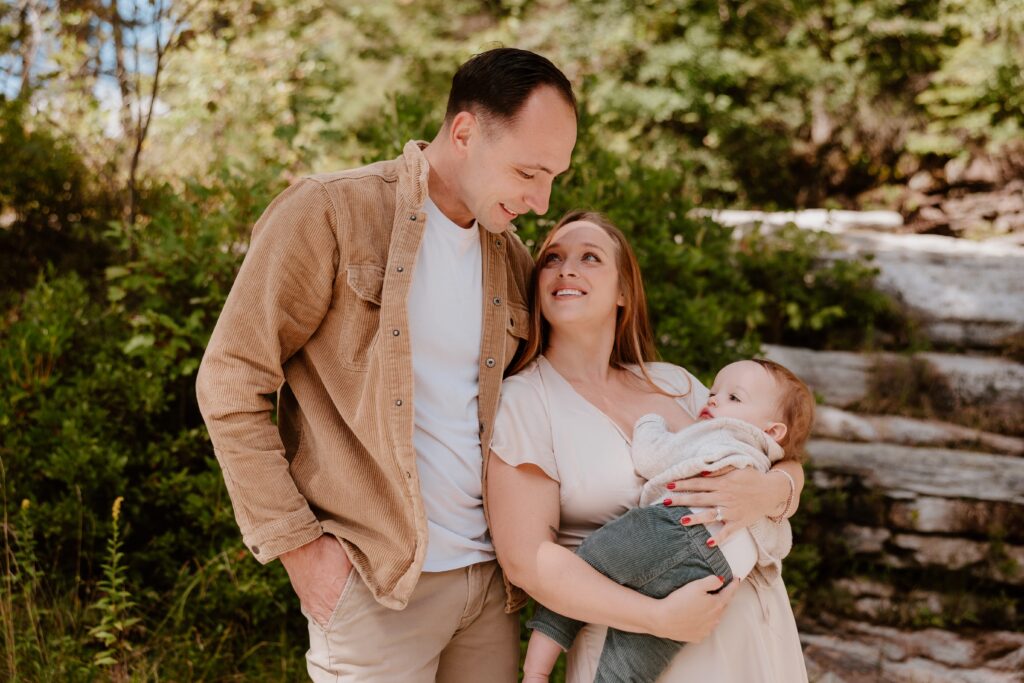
{"points": [[777, 431], [461, 130]]}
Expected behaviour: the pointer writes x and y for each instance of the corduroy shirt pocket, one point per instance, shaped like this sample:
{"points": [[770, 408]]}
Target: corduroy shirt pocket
{"points": [[361, 321], [517, 329]]}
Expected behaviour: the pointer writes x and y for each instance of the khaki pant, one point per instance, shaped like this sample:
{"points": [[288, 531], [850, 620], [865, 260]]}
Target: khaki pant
{"points": [[454, 630]]}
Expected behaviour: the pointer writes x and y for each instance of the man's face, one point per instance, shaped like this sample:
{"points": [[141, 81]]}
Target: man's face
{"points": [[510, 166]]}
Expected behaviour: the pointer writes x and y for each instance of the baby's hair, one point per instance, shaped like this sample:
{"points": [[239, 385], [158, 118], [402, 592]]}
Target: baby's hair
{"points": [[797, 405]]}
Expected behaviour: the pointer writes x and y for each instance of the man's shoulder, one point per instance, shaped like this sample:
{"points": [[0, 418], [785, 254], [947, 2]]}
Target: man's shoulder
{"points": [[386, 171]]}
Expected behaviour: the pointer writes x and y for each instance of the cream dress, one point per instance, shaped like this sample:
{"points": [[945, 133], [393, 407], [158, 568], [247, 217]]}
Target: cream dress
{"points": [[543, 421]]}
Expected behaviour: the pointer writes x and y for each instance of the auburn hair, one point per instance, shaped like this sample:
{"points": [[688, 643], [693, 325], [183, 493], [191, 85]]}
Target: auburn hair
{"points": [[796, 405], [634, 335]]}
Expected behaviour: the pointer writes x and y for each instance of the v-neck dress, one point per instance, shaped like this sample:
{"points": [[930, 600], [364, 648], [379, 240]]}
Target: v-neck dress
{"points": [[542, 420]]}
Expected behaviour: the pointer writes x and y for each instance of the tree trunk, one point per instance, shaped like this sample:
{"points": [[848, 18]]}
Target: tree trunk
{"points": [[31, 32]]}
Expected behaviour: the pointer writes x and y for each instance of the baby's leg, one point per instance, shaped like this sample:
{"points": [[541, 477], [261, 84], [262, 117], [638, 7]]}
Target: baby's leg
{"points": [[685, 557], [627, 550], [541, 655]]}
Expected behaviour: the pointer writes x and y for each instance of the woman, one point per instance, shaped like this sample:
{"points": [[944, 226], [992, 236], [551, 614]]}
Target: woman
{"points": [[560, 467]]}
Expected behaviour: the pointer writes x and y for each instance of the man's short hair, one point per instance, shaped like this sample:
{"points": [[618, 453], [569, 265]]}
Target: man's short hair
{"points": [[498, 83]]}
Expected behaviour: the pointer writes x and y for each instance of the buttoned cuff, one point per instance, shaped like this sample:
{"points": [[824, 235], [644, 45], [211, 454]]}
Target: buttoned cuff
{"points": [[270, 541]]}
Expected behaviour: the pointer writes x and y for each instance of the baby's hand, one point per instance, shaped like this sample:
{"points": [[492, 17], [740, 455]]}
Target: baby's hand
{"points": [[717, 473]]}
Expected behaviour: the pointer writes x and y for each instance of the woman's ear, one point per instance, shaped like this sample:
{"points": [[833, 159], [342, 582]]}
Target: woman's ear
{"points": [[621, 301], [777, 431]]}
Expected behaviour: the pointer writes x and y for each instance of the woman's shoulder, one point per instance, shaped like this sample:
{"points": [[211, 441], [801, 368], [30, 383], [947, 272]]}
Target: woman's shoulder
{"points": [[529, 375], [524, 385], [673, 377]]}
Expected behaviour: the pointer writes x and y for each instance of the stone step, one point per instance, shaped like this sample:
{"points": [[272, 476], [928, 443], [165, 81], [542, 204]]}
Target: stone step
{"points": [[963, 293], [845, 651], [1000, 562], [936, 472], [833, 423], [981, 391], [827, 220], [874, 600], [900, 510], [977, 518]]}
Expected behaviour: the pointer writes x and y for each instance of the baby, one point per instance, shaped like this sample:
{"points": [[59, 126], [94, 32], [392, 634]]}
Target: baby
{"points": [[758, 413]]}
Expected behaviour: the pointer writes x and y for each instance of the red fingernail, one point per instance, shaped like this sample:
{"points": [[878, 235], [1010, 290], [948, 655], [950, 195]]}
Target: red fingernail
{"points": [[684, 520], [704, 474], [667, 501], [711, 543], [722, 579], [671, 486]]}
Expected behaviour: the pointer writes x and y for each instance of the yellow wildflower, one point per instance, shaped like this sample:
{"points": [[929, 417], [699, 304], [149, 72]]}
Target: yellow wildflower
{"points": [[116, 512]]}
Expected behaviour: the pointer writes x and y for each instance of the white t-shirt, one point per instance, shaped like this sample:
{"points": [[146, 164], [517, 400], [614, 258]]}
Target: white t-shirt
{"points": [[445, 323]]}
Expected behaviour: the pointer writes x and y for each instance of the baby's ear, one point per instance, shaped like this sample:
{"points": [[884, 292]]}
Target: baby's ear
{"points": [[777, 431]]}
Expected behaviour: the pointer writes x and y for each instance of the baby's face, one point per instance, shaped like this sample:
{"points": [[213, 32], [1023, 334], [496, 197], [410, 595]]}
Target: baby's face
{"points": [[744, 391]]}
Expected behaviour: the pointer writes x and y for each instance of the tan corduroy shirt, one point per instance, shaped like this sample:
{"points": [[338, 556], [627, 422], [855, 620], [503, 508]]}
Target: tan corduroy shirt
{"points": [[318, 315]]}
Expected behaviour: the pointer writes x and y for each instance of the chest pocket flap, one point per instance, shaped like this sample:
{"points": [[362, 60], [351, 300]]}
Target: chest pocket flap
{"points": [[518, 320], [367, 281]]}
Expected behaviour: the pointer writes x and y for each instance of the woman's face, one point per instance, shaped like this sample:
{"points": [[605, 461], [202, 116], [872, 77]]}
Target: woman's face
{"points": [[579, 278]]}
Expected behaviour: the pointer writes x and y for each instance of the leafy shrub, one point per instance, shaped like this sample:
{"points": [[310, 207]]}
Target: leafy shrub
{"points": [[49, 211], [99, 403]]}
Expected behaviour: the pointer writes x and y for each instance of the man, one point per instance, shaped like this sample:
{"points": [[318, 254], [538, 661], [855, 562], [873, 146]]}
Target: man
{"points": [[382, 305]]}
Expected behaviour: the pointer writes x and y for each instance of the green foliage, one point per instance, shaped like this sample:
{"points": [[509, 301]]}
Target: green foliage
{"points": [[115, 604], [974, 97], [99, 398], [810, 299], [48, 210]]}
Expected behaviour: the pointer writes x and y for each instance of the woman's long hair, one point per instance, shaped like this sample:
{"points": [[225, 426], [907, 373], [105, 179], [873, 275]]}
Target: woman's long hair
{"points": [[634, 336]]}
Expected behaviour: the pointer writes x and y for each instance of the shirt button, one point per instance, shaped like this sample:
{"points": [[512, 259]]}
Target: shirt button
{"points": [[400, 269], [255, 550], [412, 217], [408, 474], [496, 301], [395, 332], [398, 402], [497, 243], [489, 362]]}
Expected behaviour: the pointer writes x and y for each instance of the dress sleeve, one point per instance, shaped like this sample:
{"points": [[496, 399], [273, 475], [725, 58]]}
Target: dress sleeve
{"points": [[522, 428]]}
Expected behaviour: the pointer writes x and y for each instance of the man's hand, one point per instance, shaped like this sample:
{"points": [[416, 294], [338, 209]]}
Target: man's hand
{"points": [[318, 572]]}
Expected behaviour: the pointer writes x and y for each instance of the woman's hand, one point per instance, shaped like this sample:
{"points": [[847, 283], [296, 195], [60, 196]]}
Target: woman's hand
{"points": [[740, 496], [689, 614]]}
